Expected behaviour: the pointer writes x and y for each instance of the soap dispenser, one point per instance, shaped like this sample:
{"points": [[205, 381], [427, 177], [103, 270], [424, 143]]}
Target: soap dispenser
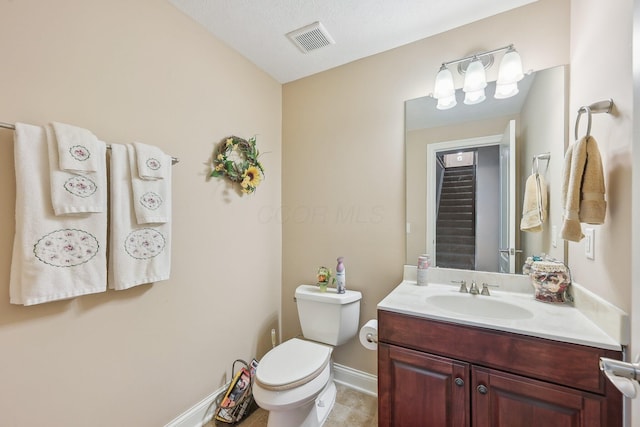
{"points": [[340, 276]]}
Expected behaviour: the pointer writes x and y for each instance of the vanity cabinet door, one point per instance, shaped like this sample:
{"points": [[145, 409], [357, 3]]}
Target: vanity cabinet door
{"points": [[418, 390], [506, 400]]}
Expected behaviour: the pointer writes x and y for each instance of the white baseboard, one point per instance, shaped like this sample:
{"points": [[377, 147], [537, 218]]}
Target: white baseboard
{"points": [[358, 380], [198, 415]]}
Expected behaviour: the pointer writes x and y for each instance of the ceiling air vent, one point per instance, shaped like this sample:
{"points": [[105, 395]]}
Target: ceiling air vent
{"points": [[311, 37]]}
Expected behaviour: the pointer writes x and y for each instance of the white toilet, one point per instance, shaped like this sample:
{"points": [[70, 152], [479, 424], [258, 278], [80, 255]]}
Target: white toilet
{"points": [[294, 381]]}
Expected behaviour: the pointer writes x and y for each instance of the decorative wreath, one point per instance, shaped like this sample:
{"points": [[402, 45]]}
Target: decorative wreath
{"points": [[237, 159]]}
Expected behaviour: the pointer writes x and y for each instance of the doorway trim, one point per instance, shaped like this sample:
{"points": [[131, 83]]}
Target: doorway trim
{"points": [[432, 151]]}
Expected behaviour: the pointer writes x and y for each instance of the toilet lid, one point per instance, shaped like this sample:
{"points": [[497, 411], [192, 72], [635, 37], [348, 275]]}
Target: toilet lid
{"points": [[292, 363]]}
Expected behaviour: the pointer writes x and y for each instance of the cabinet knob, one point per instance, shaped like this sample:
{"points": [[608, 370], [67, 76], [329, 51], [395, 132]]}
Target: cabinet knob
{"points": [[459, 382], [482, 389]]}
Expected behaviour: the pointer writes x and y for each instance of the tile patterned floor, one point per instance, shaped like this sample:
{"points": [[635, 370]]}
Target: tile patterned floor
{"points": [[352, 408]]}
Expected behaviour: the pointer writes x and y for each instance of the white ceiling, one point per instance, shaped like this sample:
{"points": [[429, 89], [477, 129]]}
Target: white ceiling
{"points": [[257, 28]]}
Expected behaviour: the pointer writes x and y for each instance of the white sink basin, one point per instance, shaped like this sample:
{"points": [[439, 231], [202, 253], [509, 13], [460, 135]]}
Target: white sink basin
{"points": [[478, 306], [504, 310]]}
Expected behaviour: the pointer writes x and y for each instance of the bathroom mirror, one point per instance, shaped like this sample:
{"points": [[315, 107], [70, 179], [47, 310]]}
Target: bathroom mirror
{"points": [[439, 140]]}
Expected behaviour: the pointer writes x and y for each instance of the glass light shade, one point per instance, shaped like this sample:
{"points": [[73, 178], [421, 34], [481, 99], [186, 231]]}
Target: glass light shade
{"points": [[510, 68], [506, 90], [444, 84], [474, 97], [444, 103], [475, 77]]}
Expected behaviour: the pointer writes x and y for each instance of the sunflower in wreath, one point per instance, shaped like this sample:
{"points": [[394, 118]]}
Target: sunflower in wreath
{"points": [[237, 159]]}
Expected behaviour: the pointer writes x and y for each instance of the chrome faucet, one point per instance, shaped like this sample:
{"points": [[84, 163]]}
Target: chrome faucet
{"points": [[463, 286], [474, 288], [485, 290]]}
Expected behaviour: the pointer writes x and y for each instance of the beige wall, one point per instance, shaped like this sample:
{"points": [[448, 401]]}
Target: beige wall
{"points": [[140, 70], [601, 69], [635, 250], [343, 154]]}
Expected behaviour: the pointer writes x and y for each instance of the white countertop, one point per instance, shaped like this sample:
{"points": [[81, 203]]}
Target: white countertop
{"points": [[557, 322]]}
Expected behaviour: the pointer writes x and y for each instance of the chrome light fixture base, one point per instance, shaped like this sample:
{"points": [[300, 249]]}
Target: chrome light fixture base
{"points": [[509, 74], [486, 60]]}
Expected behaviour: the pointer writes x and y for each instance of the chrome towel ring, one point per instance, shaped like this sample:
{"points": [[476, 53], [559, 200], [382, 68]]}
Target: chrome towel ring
{"points": [[595, 108]]}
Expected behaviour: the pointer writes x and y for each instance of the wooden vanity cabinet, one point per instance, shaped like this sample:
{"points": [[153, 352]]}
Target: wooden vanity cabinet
{"points": [[433, 373]]}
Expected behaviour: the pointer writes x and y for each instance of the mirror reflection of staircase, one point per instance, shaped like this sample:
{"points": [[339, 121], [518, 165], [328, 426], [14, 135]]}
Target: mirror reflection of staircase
{"points": [[456, 225]]}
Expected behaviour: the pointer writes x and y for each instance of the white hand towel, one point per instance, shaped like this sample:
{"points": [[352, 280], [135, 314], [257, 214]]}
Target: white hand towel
{"points": [[152, 162], [137, 254], [54, 258], [593, 206], [534, 206], [78, 148], [73, 193], [151, 198], [575, 160]]}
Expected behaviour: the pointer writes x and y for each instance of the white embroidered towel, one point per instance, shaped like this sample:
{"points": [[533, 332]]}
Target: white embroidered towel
{"points": [[54, 258], [78, 148], [73, 193], [137, 254], [151, 198], [151, 162]]}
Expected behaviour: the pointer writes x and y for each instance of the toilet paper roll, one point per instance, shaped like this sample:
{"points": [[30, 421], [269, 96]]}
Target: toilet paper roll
{"points": [[369, 335]]}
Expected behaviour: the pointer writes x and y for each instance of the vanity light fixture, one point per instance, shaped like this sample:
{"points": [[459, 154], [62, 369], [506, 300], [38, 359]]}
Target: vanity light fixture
{"points": [[473, 67], [509, 74], [445, 91], [475, 80]]}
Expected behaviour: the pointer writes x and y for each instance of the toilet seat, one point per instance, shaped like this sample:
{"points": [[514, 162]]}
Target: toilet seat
{"points": [[292, 364]]}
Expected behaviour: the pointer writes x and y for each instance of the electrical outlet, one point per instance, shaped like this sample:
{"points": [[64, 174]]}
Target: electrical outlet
{"points": [[590, 243]]}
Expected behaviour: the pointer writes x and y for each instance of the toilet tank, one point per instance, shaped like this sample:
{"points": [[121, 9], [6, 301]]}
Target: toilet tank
{"points": [[328, 317]]}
